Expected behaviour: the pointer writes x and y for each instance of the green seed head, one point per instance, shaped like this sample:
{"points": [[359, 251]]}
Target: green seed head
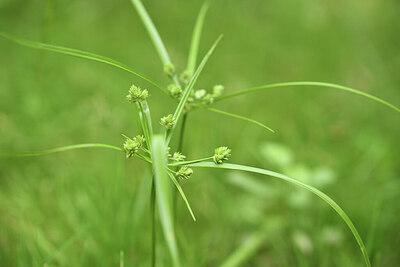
{"points": [[139, 139], [168, 121], [132, 146], [218, 90], [199, 94], [185, 76], [168, 152], [208, 99], [178, 156], [169, 69], [136, 94], [184, 173], [221, 154], [175, 91]]}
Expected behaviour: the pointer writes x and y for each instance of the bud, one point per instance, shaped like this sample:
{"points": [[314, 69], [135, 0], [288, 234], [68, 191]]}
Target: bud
{"points": [[184, 173], [175, 91], [132, 146], [185, 76], [221, 154], [199, 94], [208, 99], [218, 90], [168, 121], [178, 156], [136, 94], [169, 69]]}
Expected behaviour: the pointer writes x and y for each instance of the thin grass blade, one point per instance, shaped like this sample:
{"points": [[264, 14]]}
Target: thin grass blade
{"points": [[312, 189], [240, 117], [194, 46], [189, 87], [319, 84], [154, 35], [56, 150], [81, 54], [163, 193], [178, 186]]}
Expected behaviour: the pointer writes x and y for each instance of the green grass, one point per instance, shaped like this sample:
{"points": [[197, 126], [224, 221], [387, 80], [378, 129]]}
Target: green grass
{"points": [[104, 210]]}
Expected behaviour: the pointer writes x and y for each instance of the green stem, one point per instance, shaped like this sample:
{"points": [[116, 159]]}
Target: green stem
{"points": [[153, 223], [181, 135], [189, 162]]}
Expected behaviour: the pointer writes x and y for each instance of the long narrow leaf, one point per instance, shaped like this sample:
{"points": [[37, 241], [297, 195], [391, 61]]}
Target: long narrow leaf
{"points": [[315, 191], [189, 87], [194, 46], [154, 35], [58, 149], [178, 186], [240, 117], [81, 54], [320, 84], [163, 193]]}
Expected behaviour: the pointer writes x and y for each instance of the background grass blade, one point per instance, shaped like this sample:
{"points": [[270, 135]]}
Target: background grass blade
{"points": [[194, 46], [320, 84], [178, 186], [154, 35], [240, 117], [81, 54], [189, 87], [315, 191], [245, 251], [58, 149], [163, 193]]}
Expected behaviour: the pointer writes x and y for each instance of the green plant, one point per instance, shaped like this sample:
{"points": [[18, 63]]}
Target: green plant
{"points": [[152, 147]]}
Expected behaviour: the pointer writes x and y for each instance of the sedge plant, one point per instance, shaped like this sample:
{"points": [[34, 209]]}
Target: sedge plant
{"points": [[151, 143]]}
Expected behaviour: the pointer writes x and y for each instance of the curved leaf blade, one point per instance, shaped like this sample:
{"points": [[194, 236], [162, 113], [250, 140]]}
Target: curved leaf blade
{"points": [[189, 87], [163, 193], [240, 117], [58, 149], [312, 189], [81, 54], [319, 84]]}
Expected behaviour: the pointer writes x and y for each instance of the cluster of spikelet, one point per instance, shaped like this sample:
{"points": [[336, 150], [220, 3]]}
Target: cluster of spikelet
{"points": [[133, 146]]}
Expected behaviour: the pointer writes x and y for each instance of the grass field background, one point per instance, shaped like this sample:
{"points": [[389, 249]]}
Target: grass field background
{"points": [[83, 208]]}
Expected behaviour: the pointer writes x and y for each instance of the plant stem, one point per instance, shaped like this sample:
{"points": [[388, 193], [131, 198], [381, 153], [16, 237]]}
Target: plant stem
{"points": [[190, 161], [181, 135], [153, 223]]}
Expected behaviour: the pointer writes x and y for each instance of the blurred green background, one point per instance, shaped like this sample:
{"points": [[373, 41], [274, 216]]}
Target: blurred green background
{"points": [[82, 208]]}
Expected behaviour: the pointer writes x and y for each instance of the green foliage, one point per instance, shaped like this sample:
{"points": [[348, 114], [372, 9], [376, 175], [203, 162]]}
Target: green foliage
{"points": [[154, 151]]}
